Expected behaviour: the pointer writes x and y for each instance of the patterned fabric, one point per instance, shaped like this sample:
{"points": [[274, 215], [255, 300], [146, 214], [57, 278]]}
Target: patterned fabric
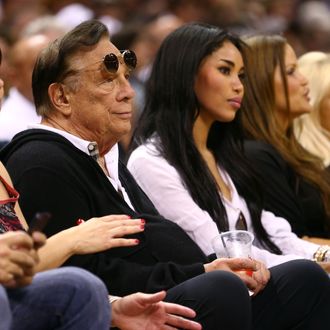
{"points": [[8, 218]]}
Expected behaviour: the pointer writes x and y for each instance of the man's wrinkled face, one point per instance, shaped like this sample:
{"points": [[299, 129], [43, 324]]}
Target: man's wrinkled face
{"points": [[100, 100]]}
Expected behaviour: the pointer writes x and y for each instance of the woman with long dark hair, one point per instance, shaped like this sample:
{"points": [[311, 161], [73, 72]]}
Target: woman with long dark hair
{"points": [[190, 161]]}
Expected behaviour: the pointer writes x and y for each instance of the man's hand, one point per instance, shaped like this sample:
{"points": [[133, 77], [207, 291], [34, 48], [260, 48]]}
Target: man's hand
{"points": [[261, 275], [239, 266], [140, 311], [18, 257]]}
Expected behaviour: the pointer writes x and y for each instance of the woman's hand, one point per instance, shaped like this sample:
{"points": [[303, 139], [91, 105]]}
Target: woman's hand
{"points": [[242, 267], [99, 234], [325, 266]]}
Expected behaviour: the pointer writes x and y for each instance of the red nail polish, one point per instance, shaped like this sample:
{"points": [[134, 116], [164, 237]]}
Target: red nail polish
{"points": [[143, 221], [80, 221], [142, 226], [249, 272], [137, 241]]}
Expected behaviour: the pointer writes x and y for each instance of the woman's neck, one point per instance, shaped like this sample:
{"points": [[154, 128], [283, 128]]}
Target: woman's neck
{"points": [[200, 133], [283, 121]]}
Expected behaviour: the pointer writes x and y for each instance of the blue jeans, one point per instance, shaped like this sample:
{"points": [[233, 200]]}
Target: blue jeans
{"points": [[65, 298]]}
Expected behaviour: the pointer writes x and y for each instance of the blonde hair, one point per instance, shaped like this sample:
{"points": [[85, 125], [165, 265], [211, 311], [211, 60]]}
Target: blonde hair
{"points": [[315, 66]]}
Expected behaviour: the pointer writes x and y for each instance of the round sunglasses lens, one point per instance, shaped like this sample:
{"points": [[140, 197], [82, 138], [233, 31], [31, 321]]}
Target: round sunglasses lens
{"points": [[130, 59], [111, 62]]}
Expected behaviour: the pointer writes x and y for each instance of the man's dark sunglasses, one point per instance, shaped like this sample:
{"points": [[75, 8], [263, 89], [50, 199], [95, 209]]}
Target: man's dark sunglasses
{"points": [[111, 60]]}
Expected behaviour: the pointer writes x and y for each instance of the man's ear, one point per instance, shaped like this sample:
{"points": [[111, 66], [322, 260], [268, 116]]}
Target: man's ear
{"points": [[59, 97]]}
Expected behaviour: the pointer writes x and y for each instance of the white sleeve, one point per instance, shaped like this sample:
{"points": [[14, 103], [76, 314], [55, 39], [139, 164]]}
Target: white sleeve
{"points": [[162, 183], [279, 231], [271, 259]]}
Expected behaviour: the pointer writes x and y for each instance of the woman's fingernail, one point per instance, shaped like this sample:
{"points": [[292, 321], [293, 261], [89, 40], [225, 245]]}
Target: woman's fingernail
{"points": [[80, 221]]}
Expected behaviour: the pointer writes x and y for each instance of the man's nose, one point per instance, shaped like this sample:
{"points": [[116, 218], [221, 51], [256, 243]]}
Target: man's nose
{"points": [[126, 90]]}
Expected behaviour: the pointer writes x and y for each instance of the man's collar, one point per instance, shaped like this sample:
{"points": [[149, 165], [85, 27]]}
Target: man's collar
{"points": [[80, 143]]}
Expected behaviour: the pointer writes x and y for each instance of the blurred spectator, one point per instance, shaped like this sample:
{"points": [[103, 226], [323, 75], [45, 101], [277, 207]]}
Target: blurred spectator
{"points": [[313, 129], [5, 44], [313, 18], [47, 24], [112, 13], [73, 14], [190, 10], [18, 13], [18, 108]]}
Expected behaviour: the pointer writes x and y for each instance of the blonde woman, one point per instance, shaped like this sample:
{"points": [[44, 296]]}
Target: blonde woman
{"points": [[313, 129]]}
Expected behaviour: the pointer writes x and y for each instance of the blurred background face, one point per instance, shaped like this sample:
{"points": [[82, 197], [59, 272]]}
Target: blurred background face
{"points": [[298, 91], [23, 57]]}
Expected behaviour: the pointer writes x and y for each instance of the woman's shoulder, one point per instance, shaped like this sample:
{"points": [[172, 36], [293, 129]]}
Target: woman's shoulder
{"points": [[260, 152], [255, 146], [148, 149]]}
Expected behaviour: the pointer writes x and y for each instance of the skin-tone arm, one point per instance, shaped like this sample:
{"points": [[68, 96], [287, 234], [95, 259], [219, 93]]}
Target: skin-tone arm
{"points": [[92, 236], [140, 311]]}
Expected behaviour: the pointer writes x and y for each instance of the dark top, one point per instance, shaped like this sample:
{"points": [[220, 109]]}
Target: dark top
{"points": [[8, 218], [285, 193], [54, 176]]}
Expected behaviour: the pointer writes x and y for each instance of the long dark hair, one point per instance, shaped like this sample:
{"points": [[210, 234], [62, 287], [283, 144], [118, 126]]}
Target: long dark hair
{"points": [[170, 113]]}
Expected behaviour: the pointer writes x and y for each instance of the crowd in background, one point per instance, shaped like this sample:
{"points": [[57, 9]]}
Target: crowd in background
{"points": [[284, 121], [141, 25], [304, 22]]}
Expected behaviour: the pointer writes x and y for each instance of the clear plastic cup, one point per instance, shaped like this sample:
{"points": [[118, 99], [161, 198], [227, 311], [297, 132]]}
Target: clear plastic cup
{"points": [[234, 244]]}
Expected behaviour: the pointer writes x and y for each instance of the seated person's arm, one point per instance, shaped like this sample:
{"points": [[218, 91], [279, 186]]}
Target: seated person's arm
{"points": [[92, 236]]}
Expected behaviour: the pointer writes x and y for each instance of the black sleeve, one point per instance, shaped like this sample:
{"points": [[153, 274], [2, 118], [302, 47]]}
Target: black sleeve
{"points": [[123, 277], [277, 184], [45, 190], [64, 199]]}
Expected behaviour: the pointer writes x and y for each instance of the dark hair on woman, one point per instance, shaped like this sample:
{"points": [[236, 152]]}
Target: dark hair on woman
{"points": [[170, 112]]}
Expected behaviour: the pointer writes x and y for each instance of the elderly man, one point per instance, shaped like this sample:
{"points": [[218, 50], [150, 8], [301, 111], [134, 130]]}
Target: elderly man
{"points": [[68, 165]]}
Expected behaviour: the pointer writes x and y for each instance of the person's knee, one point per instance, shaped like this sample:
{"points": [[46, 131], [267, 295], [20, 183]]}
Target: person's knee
{"points": [[222, 281], [219, 288], [302, 272], [223, 300], [80, 279], [73, 280]]}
